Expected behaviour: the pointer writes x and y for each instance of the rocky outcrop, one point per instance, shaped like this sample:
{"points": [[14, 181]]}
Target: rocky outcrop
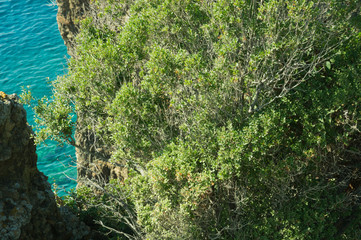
{"points": [[92, 159], [27, 205], [70, 12]]}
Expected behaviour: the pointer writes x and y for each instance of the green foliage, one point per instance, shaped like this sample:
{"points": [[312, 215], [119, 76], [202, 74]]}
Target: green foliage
{"points": [[236, 119]]}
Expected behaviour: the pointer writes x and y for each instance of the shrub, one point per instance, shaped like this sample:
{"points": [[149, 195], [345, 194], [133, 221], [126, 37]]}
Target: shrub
{"points": [[236, 119]]}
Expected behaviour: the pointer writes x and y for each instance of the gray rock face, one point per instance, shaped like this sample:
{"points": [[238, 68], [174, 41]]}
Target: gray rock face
{"points": [[27, 205]]}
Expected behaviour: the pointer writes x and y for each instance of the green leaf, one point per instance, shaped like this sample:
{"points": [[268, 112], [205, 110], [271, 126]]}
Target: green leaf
{"points": [[328, 65]]}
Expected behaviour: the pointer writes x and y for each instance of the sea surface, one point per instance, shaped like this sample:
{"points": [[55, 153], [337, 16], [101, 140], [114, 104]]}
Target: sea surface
{"points": [[31, 52]]}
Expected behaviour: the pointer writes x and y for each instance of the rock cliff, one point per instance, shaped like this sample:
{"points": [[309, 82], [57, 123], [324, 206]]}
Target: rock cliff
{"points": [[69, 14], [27, 205], [92, 158]]}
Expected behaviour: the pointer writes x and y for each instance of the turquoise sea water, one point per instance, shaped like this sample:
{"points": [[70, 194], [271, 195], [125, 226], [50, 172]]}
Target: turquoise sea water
{"points": [[31, 50]]}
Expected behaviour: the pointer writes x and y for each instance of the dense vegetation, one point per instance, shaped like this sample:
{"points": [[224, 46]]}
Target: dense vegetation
{"points": [[236, 119]]}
